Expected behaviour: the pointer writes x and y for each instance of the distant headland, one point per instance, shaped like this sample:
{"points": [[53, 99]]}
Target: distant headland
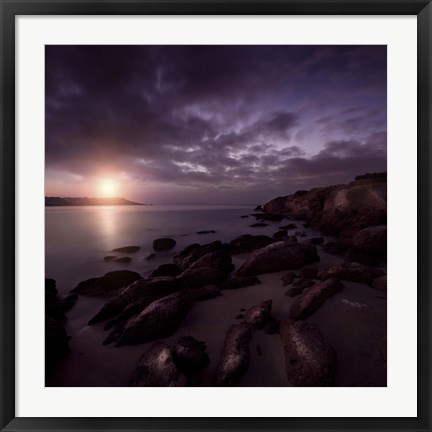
{"points": [[85, 201]]}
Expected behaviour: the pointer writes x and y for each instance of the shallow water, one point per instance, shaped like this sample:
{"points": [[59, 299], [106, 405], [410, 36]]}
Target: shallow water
{"points": [[77, 238]]}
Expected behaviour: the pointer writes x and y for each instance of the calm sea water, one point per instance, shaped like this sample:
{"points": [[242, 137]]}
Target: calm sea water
{"points": [[77, 238]]}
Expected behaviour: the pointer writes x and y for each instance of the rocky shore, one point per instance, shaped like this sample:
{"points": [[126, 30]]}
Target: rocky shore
{"points": [[326, 242]]}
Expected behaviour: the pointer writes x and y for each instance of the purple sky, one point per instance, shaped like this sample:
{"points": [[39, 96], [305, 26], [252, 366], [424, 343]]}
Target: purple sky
{"points": [[212, 124]]}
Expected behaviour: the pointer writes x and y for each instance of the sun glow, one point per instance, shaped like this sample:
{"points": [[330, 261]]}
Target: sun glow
{"points": [[108, 188]]}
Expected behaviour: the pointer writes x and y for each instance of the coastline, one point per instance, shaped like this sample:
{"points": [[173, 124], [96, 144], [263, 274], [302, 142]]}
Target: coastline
{"points": [[353, 321]]}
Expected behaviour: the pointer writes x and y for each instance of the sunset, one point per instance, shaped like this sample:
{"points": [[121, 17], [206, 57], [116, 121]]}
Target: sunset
{"points": [[216, 216]]}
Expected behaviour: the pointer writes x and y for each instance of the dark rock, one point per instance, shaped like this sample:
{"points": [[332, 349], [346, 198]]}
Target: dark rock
{"points": [[207, 232], [162, 244], [300, 234], [56, 343], [235, 282], [259, 315], [258, 224], [242, 310], [110, 324], [359, 204], [272, 217], [353, 272], [239, 316], [150, 256], [294, 291], [109, 257], [166, 270], [235, 356], [277, 257], [68, 302], [156, 368], [308, 273], [258, 349], [53, 307], [310, 361], [136, 297], [288, 278], [372, 240], [313, 298], [316, 240], [271, 327], [361, 257], [244, 216], [258, 208], [201, 276], [159, 319], [110, 282], [334, 248], [280, 234], [190, 355], [127, 249], [220, 260], [50, 286], [289, 226], [193, 252], [380, 283], [249, 243], [205, 293], [123, 259]]}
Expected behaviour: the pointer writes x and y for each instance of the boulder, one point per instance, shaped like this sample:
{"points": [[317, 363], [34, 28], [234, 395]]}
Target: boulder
{"points": [[190, 355], [258, 224], [205, 293], [277, 257], [53, 307], [156, 368], [316, 240], [310, 361], [123, 259], [361, 257], [107, 284], [334, 248], [109, 258], [372, 240], [56, 343], [235, 356], [207, 232], [289, 226], [259, 315], [201, 276], [288, 278], [308, 273], [280, 234], [361, 203], [162, 244], [235, 282], [380, 283], [136, 297], [127, 249], [249, 243], [68, 302], [313, 297], [166, 270], [258, 208], [272, 217], [220, 260], [158, 320], [193, 252], [352, 272]]}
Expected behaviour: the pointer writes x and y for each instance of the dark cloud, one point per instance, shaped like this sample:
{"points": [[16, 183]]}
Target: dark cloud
{"points": [[246, 122]]}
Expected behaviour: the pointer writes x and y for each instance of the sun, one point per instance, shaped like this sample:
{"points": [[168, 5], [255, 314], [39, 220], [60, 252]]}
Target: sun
{"points": [[108, 188]]}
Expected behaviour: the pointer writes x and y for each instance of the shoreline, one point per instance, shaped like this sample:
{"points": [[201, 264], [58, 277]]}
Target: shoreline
{"points": [[353, 321]]}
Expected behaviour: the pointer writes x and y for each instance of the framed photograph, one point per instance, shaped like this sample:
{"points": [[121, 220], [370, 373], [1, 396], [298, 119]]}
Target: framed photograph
{"points": [[202, 206]]}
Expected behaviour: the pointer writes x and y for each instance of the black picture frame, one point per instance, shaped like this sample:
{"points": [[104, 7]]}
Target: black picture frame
{"points": [[9, 9]]}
